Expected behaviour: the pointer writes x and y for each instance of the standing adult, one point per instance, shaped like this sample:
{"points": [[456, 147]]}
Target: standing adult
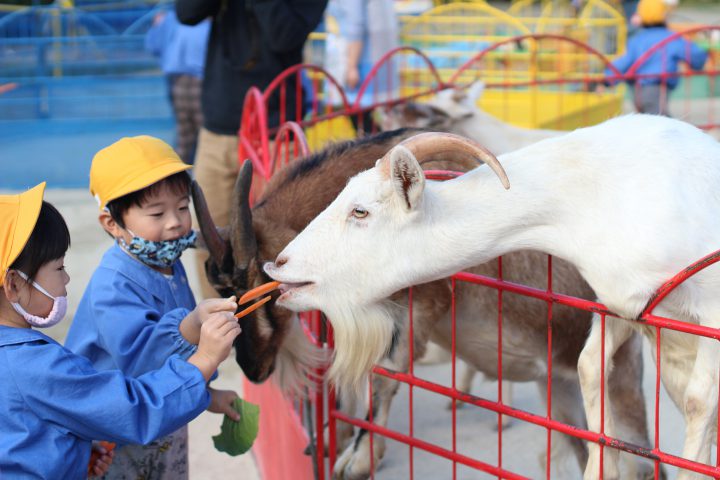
{"points": [[251, 42]]}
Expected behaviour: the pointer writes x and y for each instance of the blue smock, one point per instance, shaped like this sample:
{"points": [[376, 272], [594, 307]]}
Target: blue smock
{"points": [[129, 315], [53, 404], [181, 48], [664, 60]]}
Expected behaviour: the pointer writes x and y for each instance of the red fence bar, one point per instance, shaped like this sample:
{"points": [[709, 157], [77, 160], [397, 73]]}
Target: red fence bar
{"points": [[653, 320], [428, 447], [601, 439]]}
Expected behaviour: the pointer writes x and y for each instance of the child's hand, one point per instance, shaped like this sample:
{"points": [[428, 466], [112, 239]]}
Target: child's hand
{"points": [[213, 305], [190, 326], [216, 339], [101, 458], [221, 402]]}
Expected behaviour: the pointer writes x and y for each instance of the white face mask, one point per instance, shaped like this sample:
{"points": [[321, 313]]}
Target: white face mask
{"points": [[56, 314]]}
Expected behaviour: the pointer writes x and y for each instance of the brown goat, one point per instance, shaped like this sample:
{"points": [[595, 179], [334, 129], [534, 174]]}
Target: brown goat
{"points": [[271, 339]]}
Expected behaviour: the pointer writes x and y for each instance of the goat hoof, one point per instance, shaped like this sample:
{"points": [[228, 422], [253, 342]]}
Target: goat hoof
{"points": [[355, 462], [348, 468]]}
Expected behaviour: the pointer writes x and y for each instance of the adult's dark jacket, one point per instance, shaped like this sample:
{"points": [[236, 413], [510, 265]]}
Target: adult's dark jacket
{"points": [[251, 42]]}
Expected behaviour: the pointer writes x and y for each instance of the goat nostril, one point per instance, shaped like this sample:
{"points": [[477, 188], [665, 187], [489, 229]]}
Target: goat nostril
{"points": [[281, 261]]}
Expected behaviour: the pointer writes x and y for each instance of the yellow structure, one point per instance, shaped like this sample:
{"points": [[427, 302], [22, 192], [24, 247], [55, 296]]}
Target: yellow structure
{"points": [[534, 83]]}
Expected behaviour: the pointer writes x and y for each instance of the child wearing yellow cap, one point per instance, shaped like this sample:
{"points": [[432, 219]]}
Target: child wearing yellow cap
{"points": [[53, 403], [656, 76], [138, 309]]}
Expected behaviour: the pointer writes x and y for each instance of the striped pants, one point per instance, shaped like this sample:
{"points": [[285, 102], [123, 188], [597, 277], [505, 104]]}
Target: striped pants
{"points": [[186, 91]]}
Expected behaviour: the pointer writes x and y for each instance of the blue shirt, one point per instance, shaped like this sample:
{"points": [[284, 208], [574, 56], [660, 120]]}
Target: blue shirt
{"points": [[664, 60], [129, 315], [181, 48], [53, 404], [375, 24]]}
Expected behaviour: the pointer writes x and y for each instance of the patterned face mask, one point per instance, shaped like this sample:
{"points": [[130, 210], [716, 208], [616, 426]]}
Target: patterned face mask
{"points": [[158, 254]]}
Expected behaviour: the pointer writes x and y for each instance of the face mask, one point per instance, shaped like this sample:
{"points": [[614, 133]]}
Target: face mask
{"points": [[56, 314], [158, 254]]}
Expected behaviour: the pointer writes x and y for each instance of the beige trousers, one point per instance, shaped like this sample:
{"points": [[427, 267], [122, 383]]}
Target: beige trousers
{"points": [[216, 169]]}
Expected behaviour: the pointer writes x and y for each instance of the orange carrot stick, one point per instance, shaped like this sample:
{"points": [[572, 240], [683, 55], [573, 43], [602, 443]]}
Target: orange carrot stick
{"points": [[258, 291], [253, 307]]}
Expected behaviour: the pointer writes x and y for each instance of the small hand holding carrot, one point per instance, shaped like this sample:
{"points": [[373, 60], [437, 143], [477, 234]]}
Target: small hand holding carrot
{"points": [[216, 338], [100, 459], [191, 324]]}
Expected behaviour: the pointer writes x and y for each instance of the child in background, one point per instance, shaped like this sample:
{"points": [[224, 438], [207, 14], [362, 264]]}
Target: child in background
{"points": [[182, 50], [52, 402], [657, 79], [138, 309]]}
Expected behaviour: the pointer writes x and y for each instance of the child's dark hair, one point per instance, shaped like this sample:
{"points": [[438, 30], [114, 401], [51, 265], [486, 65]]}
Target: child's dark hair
{"points": [[178, 183], [49, 240]]}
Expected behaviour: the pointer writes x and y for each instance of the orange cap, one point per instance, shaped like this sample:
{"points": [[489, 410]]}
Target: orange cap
{"points": [[18, 216], [652, 12], [131, 164]]}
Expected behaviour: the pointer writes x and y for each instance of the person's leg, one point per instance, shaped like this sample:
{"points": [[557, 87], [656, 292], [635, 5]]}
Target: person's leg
{"points": [[651, 99], [366, 125], [196, 116], [182, 103], [216, 168]]}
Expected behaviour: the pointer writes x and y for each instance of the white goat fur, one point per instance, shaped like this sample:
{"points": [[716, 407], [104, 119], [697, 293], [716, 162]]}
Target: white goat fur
{"points": [[455, 110], [629, 202]]}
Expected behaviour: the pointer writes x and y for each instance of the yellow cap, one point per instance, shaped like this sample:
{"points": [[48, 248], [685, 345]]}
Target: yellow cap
{"points": [[652, 12], [131, 164], [18, 216]]}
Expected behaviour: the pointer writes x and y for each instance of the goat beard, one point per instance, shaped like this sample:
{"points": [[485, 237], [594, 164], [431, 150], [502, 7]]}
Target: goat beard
{"points": [[362, 337], [297, 363]]}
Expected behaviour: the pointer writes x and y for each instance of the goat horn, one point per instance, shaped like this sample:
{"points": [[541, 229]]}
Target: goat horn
{"points": [[242, 235], [432, 143], [213, 241]]}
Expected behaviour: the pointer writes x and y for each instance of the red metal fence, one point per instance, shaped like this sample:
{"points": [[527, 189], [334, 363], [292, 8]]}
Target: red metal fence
{"points": [[694, 100]]}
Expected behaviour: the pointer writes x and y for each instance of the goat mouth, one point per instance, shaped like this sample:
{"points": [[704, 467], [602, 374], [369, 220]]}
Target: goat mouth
{"points": [[286, 287]]}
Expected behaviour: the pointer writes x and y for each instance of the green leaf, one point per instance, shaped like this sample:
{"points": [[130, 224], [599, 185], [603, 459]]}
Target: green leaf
{"points": [[236, 438]]}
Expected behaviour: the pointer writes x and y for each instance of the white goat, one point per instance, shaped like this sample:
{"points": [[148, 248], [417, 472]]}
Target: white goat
{"points": [[629, 202], [456, 110]]}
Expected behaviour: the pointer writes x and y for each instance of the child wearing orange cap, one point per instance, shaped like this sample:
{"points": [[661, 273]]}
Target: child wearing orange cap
{"points": [[53, 403], [138, 309], [657, 74]]}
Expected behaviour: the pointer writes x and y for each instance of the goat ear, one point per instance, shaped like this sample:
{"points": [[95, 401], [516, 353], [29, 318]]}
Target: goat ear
{"points": [[407, 177], [475, 91]]}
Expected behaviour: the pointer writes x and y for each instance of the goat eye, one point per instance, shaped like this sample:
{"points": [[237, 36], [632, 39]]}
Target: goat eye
{"points": [[359, 212]]}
